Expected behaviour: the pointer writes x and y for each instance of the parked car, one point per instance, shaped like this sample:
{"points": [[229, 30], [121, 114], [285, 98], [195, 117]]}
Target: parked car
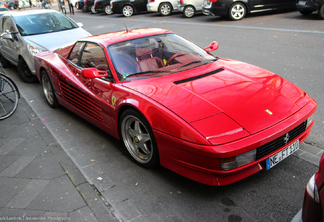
{"points": [[128, 7], [143, 86], [78, 4], [164, 7], [10, 5], [238, 9], [313, 205], [3, 9], [103, 6], [307, 7], [26, 33], [89, 6], [190, 7]]}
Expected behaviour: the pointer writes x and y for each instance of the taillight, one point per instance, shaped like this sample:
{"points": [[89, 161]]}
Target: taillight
{"points": [[152, 0], [181, 2], [85, 1], [95, 3], [213, 1]]}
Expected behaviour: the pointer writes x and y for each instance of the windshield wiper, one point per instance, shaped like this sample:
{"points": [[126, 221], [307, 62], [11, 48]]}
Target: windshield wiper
{"points": [[139, 73], [199, 61]]}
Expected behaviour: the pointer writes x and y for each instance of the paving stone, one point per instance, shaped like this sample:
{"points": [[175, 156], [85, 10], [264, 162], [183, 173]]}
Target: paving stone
{"points": [[9, 187], [56, 216], [83, 214], [10, 145], [43, 167], [31, 146], [27, 194], [60, 195], [18, 215], [26, 130], [17, 166], [94, 201], [127, 211], [5, 161]]}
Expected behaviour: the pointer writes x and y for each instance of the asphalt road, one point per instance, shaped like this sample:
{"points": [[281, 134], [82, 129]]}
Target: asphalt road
{"points": [[286, 43]]}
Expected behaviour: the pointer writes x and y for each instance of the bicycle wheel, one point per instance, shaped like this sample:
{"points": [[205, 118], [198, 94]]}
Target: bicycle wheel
{"points": [[9, 96]]}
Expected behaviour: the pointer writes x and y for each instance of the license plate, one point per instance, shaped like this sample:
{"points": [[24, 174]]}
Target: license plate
{"points": [[278, 157], [302, 2]]}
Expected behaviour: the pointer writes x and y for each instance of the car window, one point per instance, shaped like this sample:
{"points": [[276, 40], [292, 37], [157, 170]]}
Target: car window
{"points": [[93, 56], [7, 25], [75, 53], [43, 23]]}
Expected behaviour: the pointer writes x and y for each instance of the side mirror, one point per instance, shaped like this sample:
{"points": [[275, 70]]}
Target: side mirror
{"points": [[212, 47], [91, 73], [7, 36]]}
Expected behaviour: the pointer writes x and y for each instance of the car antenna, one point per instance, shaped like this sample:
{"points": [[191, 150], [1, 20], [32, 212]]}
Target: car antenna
{"points": [[126, 27]]}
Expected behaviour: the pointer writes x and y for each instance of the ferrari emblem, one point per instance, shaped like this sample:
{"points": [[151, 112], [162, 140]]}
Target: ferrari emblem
{"points": [[269, 112], [113, 100], [286, 138]]}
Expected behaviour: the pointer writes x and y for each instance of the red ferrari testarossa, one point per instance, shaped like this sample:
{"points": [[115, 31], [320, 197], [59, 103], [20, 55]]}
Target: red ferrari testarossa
{"points": [[172, 103]]}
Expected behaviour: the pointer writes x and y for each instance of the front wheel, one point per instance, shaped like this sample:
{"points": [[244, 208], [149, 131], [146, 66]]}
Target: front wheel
{"points": [[138, 139], [25, 72], [321, 11], [189, 11], [48, 90], [165, 8], [93, 9], [108, 10], [128, 10], [237, 11]]}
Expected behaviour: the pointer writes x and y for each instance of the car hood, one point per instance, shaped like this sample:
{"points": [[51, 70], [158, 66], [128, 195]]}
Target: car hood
{"points": [[54, 40], [228, 93]]}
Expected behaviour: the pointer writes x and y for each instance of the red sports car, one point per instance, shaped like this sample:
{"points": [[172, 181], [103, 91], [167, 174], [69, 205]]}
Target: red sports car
{"points": [[172, 103]]}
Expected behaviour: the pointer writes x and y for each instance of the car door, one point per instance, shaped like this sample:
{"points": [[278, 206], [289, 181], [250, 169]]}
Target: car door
{"points": [[90, 97], [258, 5], [9, 47], [139, 5], [283, 3]]}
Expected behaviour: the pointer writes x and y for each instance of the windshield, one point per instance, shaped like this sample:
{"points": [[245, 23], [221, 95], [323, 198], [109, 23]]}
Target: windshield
{"points": [[155, 56], [43, 23]]}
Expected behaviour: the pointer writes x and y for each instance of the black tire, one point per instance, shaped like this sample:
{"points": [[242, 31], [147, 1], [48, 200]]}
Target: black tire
{"points": [[128, 10], [189, 11], [305, 12], [108, 10], [237, 11], [25, 73], [321, 11], [93, 9], [165, 9], [138, 138], [9, 97], [48, 90], [4, 62]]}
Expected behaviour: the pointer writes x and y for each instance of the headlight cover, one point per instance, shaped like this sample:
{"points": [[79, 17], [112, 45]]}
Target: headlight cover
{"points": [[34, 50], [237, 161], [310, 120], [312, 190]]}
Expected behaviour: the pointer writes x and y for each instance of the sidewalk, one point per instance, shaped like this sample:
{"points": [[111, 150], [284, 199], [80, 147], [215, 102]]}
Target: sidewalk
{"points": [[38, 181]]}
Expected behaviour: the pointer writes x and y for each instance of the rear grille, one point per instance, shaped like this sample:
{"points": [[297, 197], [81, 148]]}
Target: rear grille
{"points": [[272, 146], [79, 100]]}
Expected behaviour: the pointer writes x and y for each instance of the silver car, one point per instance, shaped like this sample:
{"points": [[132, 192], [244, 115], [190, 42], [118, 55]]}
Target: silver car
{"points": [[23, 34]]}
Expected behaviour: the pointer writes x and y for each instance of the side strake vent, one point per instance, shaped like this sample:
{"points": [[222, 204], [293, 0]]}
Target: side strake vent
{"points": [[199, 77], [81, 101]]}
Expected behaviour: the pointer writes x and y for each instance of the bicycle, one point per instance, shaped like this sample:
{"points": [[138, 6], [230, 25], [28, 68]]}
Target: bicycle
{"points": [[9, 96]]}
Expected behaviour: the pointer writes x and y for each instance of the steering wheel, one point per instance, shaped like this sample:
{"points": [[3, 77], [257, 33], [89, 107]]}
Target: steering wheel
{"points": [[173, 57]]}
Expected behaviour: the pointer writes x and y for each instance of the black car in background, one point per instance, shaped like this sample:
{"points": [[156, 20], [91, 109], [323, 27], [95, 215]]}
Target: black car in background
{"points": [[307, 7], [238, 9], [89, 6], [103, 6], [128, 7]]}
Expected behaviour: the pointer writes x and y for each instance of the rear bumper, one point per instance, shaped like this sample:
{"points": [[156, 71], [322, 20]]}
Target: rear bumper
{"points": [[306, 6]]}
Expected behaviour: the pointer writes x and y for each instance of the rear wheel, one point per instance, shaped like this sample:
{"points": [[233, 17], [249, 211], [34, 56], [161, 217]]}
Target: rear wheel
{"points": [[165, 8], [237, 11], [128, 10], [189, 11], [321, 11], [48, 90], [138, 138], [108, 10], [25, 72]]}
